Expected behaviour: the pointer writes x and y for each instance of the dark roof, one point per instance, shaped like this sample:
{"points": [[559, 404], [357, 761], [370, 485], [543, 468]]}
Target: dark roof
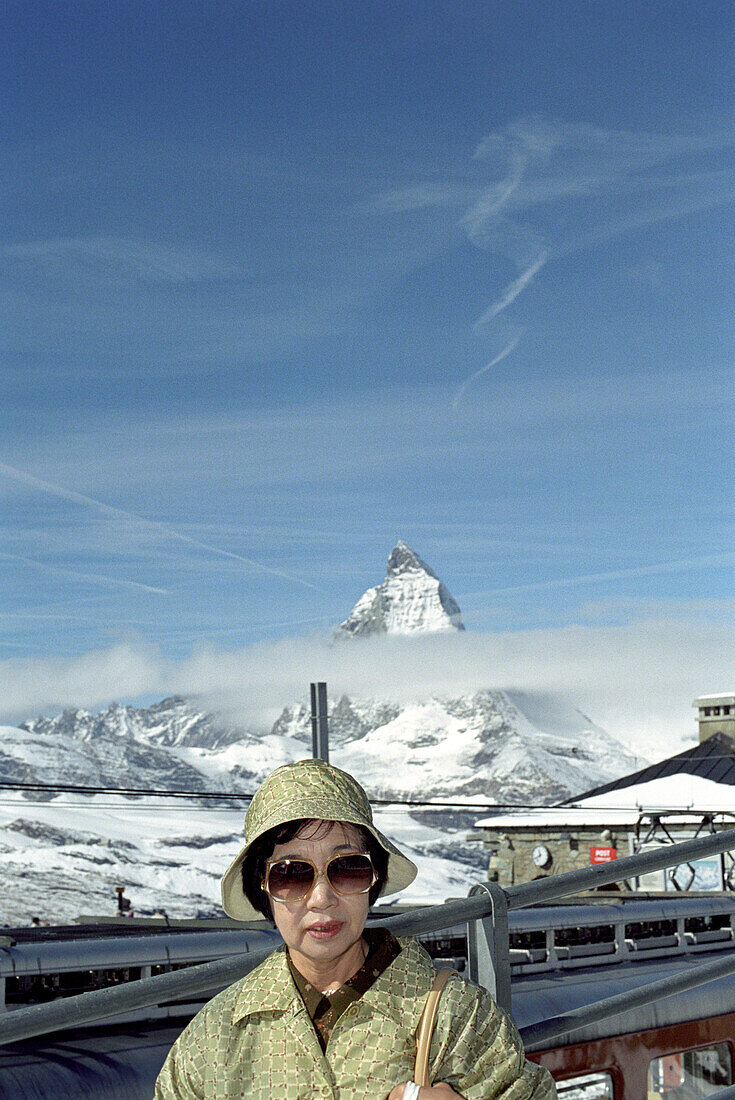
{"points": [[712, 759]]}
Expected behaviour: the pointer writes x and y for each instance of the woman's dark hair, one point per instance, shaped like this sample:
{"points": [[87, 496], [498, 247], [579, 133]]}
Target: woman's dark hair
{"points": [[260, 851]]}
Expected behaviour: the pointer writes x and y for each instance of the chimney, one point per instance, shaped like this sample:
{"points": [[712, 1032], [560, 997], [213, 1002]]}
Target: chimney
{"points": [[716, 715]]}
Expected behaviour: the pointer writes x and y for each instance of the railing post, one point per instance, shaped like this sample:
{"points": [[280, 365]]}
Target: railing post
{"points": [[488, 955]]}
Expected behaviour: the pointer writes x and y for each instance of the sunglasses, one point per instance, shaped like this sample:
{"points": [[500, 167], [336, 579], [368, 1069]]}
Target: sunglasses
{"points": [[294, 879]]}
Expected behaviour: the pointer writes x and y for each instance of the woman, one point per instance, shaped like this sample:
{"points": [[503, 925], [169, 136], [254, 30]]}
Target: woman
{"points": [[333, 1013]]}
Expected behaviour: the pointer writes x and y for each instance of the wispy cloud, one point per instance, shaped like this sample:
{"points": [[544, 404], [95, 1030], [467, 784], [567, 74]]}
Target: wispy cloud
{"points": [[545, 161], [682, 565], [421, 196], [512, 291], [509, 347], [127, 517], [146, 260], [677, 207], [259, 449], [561, 149], [547, 175]]}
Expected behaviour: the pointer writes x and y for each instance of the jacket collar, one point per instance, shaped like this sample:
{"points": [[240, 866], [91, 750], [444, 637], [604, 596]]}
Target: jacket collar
{"points": [[399, 992], [269, 988]]}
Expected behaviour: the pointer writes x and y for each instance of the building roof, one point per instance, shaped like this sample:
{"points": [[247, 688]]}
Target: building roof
{"points": [[713, 759], [561, 817]]}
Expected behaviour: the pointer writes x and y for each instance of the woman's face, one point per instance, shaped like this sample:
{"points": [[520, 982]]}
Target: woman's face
{"points": [[325, 927]]}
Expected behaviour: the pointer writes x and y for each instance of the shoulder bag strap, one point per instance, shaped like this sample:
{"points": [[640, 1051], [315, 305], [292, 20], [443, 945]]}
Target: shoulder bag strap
{"points": [[426, 1027]]}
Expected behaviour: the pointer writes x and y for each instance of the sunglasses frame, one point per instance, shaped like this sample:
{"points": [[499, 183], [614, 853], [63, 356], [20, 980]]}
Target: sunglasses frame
{"points": [[319, 872]]}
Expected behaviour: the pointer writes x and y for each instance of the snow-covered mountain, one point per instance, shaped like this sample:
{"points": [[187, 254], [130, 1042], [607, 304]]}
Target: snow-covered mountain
{"points": [[411, 600], [482, 747], [65, 857], [487, 746], [59, 862]]}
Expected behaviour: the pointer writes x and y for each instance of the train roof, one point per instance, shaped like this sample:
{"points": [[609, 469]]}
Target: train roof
{"points": [[543, 996]]}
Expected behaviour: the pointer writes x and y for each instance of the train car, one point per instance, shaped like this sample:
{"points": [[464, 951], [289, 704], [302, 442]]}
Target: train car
{"points": [[678, 1048]]}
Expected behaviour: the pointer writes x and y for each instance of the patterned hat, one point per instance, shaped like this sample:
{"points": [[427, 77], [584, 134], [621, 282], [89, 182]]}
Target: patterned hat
{"points": [[308, 789]]}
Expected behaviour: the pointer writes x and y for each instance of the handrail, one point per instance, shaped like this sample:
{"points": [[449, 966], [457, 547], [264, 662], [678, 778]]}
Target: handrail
{"points": [[625, 909], [205, 978]]}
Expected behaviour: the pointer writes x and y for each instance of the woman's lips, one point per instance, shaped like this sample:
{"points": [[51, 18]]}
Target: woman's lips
{"points": [[325, 931]]}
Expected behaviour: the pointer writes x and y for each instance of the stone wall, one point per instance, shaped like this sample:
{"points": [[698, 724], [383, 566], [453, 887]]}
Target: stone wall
{"points": [[528, 853]]}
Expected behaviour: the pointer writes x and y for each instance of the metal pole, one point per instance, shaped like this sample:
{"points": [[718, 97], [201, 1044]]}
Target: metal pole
{"points": [[319, 722], [203, 980]]}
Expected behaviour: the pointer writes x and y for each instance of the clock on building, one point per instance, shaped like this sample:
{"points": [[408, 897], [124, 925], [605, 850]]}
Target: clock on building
{"points": [[541, 855]]}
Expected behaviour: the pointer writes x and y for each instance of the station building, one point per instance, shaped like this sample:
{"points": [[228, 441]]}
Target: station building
{"points": [[673, 800]]}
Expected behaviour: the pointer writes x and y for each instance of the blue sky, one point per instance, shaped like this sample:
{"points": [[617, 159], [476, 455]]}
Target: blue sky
{"points": [[284, 282]]}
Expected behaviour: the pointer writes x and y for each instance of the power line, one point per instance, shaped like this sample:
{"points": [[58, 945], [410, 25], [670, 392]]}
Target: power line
{"points": [[159, 792], [230, 797], [154, 792]]}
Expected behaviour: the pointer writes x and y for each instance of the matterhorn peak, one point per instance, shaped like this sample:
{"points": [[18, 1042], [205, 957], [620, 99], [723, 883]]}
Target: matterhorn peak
{"points": [[411, 600], [405, 560]]}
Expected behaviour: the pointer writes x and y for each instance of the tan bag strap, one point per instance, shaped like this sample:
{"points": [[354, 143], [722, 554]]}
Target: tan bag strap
{"points": [[426, 1027]]}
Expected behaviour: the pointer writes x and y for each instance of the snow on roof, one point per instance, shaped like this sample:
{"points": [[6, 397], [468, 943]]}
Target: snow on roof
{"points": [[712, 760], [682, 793], [559, 816], [672, 792]]}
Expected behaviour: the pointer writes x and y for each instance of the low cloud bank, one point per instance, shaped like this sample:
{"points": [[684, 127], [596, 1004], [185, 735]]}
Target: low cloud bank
{"points": [[636, 680]]}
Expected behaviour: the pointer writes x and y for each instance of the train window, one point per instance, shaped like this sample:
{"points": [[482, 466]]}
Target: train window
{"points": [[591, 1086], [690, 1074]]}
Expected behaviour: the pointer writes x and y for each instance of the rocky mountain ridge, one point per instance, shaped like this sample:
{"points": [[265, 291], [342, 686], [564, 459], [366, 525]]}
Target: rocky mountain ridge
{"points": [[411, 600], [489, 745]]}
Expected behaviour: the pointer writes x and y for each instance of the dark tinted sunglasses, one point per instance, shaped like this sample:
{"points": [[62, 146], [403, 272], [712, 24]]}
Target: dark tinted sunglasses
{"points": [[294, 879]]}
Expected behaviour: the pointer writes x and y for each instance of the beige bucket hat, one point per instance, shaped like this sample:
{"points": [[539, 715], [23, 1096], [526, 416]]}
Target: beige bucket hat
{"points": [[310, 789]]}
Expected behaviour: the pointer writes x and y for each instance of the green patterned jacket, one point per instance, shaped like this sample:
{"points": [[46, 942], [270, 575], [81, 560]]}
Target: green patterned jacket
{"points": [[255, 1041]]}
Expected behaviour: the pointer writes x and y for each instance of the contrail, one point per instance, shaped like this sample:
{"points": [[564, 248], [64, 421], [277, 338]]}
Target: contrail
{"points": [[513, 290], [96, 578], [152, 525], [509, 347], [681, 566]]}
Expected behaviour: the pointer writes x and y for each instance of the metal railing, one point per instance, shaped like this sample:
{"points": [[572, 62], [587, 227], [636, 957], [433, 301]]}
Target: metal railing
{"points": [[485, 912], [608, 933]]}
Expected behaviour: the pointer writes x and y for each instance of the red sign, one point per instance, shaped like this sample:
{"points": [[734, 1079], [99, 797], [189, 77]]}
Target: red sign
{"points": [[603, 855]]}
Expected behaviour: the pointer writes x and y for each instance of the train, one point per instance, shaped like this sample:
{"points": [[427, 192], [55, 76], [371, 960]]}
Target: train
{"points": [[561, 957]]}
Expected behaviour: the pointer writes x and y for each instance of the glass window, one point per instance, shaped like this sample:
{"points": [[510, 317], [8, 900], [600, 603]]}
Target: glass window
{"points": [[690, 1074], [701, 874], [591, 1086]]}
